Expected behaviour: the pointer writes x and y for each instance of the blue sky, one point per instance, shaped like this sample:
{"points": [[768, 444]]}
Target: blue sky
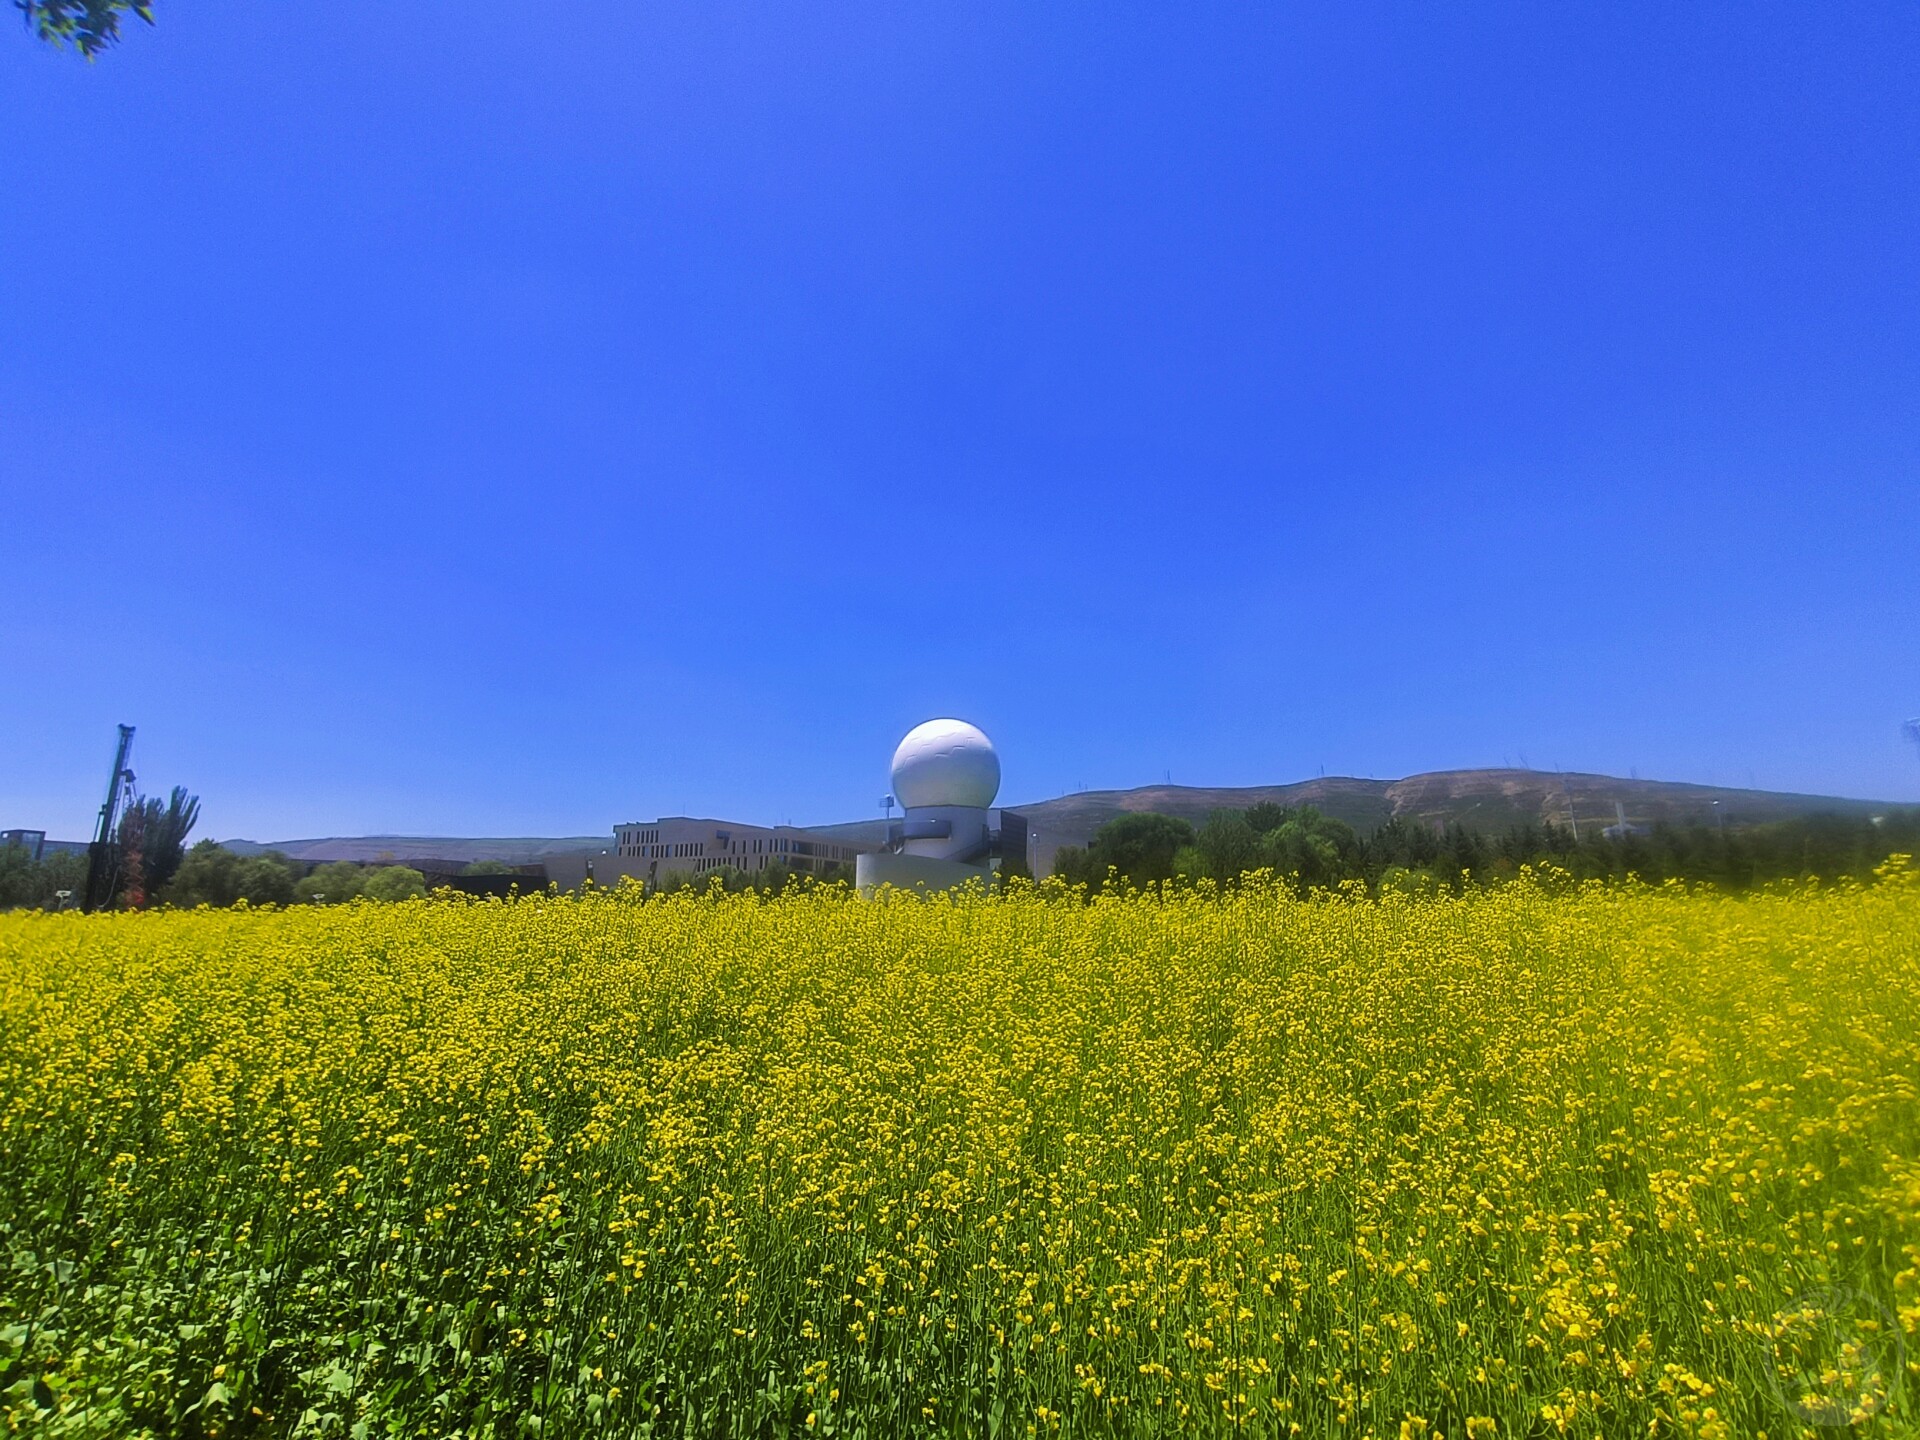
{"points": [[423, 421]]}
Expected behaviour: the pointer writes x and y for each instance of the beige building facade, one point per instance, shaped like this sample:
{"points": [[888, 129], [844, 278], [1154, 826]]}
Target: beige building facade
{"points": [[651, 850]]}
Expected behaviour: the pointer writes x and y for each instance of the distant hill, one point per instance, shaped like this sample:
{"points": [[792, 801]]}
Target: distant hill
{"points": [[1485, 800], [399, 849]]}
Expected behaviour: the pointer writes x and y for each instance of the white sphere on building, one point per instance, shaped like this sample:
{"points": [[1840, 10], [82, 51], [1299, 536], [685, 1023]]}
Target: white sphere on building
{"points": [[946, 762]]}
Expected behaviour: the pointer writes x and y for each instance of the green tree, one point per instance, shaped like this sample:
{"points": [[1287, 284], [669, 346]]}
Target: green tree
{"points": [[129, 875], [1141, 847], [208, 875], [1314, 849], [1228, 846], [266, 879], [25, 881], [333, 884], [16, 875], [211, 874], [1072, 864], [66, 871], [395, 882], [89, 26], [1267, 816], [153, 837], [488, 867]]}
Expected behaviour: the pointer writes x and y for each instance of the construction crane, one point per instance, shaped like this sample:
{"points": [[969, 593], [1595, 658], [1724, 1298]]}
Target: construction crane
{"points": [[103, 855]]}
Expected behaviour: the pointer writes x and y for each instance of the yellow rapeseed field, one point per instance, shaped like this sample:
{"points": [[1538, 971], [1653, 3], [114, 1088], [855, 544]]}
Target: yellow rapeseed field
{"points": [[1539, 1160]]}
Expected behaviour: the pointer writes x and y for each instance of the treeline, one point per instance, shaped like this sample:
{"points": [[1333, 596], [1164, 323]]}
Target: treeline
{"points": [[1305, 848], [47, 883], [148, 845], [1314, 851], [211, 874], [214, 875]]}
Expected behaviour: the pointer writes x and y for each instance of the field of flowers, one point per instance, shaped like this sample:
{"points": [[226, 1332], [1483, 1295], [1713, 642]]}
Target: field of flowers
{"points": [[1537, 1160]]}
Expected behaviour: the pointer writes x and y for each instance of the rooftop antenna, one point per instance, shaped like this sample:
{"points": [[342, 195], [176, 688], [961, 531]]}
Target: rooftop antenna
{"points": [[103, 860]]}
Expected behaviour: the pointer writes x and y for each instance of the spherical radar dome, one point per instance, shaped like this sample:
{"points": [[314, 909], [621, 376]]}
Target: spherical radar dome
{"points": [[946, 762]]}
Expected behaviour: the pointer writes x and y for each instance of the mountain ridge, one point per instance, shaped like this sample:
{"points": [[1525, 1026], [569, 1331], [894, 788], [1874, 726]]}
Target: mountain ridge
{"points": [[397, 849], [1485, 799]]}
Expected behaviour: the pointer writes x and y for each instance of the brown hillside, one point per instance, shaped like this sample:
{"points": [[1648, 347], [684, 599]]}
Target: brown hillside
{"points": [[1486, 800]]}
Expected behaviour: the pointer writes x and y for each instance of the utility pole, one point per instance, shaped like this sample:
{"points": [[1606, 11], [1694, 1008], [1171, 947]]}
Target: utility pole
{"points": [[103, 861]]}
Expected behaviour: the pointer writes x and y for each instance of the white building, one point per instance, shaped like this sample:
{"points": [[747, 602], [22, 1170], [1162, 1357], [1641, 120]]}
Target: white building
{"points": [[677, 842], [651, 850], [946, 774]]}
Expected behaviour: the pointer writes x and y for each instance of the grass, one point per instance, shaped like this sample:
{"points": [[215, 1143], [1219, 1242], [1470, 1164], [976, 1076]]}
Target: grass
{"points": [[1544, 1159]]}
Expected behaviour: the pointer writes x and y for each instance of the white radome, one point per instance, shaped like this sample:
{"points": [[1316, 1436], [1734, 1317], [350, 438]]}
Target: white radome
{"points": [[946, 762]]}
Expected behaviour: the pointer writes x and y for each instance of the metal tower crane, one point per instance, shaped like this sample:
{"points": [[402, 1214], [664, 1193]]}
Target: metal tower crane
{"points": [[103, 855]]}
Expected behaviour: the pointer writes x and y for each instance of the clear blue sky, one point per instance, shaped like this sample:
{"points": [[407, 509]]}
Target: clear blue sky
{"points": [[417, 419]]}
